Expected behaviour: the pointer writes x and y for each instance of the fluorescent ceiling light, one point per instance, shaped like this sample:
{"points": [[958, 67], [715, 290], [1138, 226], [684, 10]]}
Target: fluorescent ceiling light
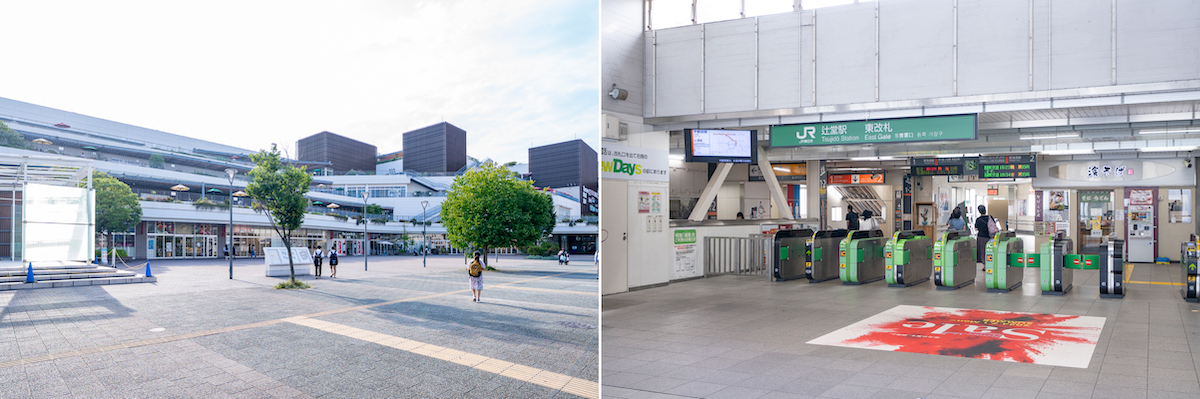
{"points": [[676, 157], [873, 159], [1051, 136], [1180, 148], [779, 169], [956, 155], [1165, 131], [1069, 152]]}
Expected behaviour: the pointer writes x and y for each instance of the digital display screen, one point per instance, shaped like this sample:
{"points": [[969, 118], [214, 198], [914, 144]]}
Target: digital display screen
{"points": [[720, 146], [1007, 167], [945, 170]]}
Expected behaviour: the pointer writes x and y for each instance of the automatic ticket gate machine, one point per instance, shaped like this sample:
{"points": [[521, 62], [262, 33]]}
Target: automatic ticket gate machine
{"points": [[1112, 270], [908, 259], [1189, 260], [794, 248], [822, 255], [1001, 276], [861, 257], [1056, 276], [954, 260]]}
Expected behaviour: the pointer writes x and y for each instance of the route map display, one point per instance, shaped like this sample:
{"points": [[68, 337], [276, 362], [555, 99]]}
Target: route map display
{"points": [[729, 146]]}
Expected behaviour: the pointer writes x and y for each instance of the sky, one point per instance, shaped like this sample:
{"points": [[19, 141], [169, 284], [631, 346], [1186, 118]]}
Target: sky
{"points": [[513, 73]]}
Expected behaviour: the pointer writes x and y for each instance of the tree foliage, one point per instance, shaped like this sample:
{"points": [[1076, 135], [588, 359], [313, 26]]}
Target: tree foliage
{"points": [[117, 207], [157, 161], [280, 189], [489, 208], [10, 138]]}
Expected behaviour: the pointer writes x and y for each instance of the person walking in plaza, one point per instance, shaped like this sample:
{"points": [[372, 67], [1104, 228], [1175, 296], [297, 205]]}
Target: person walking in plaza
{"points": [[956, 220], [332, 264], [984, 233], [476, 275], [851, 218], [317, 255]]}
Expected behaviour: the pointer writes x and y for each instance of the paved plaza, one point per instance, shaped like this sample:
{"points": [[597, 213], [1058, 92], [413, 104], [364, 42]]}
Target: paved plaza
{"points": [[399, 330]]}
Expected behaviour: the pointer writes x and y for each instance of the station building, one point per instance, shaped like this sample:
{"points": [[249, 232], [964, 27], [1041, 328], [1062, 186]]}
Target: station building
{"points": [[1074, 123], [181, 181]]}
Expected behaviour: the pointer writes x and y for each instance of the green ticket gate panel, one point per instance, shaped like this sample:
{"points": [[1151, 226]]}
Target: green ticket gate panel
{"points": [[1056, 277], [791, 248], [1189, 260], [954, 260], [821, 252], [1024, 260], [1082, 261], [908, 259], [861, 257], [1112, 270], [1000, 276]]}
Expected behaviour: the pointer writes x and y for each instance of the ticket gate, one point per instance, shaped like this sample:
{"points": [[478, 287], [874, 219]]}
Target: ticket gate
{"points": [[1112, 270], [817, 266], [1056, 277], [954, 260], [861, 257], [1000, 276], [796, 242], [1191, 275], [908, 259]]}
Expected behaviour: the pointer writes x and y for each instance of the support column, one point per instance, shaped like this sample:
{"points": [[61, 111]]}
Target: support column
{"points": [[710, 192], [773, 185]]}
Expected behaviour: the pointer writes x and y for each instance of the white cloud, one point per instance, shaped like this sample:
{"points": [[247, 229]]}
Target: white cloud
{"points": [[252, 73]]}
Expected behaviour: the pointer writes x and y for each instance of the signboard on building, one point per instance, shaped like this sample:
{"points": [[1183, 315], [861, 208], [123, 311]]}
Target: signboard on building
{"points": [[1037, 338], [881, 131], [783, 172], [633, 163], [863, 178]]}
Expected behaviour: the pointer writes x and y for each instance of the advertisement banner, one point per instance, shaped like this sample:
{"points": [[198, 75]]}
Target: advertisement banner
{"points": [[685, 253], [881, 131], [633, 163], [1036, 338], [783, 172]]}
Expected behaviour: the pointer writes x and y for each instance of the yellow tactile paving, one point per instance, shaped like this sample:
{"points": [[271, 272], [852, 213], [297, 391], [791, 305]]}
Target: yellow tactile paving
{"points": [[549, 379]]}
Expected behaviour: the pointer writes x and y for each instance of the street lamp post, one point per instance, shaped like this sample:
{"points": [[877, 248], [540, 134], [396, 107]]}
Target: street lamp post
{"points": [[366, 237], [424, 239], [229, 233]]}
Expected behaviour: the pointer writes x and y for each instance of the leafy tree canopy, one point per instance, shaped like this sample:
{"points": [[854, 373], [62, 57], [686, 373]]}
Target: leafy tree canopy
{"points": [[117, 207], [489, 208], [10, 138], [280, 189], [156, 161]]}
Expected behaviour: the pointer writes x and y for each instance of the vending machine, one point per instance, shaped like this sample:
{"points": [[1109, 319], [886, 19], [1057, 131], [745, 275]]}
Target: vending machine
{"points": [[1141, 225]]}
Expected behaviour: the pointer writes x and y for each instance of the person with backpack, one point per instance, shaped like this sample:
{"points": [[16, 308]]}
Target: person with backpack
{"points": [[317, 255], [868, 221], [986, 227], [476, 274], [333, 261]]}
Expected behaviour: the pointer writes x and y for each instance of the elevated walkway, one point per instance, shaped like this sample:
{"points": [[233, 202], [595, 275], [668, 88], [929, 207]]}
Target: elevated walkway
{"points": [[64, 274]]}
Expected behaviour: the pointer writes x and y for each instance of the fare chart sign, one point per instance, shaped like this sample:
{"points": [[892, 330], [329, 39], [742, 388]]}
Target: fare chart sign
{"points": [[1037, 338]]}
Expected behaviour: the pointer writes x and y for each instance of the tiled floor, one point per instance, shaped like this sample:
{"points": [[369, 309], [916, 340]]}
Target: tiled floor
{"points": [[744, 337]]}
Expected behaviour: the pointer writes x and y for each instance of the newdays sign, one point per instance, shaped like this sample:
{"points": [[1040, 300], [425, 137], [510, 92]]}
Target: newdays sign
{"points": [[633, 163]]}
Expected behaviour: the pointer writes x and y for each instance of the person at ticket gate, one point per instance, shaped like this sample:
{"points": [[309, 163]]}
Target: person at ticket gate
{"points": [[983, 236], [868, 221], [851, 218], [956, 220]]}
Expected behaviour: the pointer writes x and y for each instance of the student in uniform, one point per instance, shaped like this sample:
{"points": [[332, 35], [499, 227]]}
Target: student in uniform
{"points": [[317, 255], [851, 218]]}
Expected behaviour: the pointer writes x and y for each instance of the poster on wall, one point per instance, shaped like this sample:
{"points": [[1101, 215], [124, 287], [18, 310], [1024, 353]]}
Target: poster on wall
{"points": [[643, 202], [685, 253], [1141, 197], [925, 215], [655, 202], [944, 198], [1022, 207], [1058, 200], [1036, 338]]}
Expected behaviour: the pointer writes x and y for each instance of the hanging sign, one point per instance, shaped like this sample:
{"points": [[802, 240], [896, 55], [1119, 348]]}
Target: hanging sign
{"points": [[783, 172], [1007, 166], [1095, 196], [856, 179], [880, 131]]}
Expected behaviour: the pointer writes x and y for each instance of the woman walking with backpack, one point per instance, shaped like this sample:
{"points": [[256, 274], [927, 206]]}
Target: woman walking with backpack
{"points": [[986, 228], [476, 274]]}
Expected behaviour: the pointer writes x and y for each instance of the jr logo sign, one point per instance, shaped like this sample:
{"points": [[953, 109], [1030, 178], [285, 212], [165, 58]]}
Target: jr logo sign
{"points": [[809, 133]]}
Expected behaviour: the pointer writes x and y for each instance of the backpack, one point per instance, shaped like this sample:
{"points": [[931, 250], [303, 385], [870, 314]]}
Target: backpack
{"points": [[476, 269], [992, 227]]}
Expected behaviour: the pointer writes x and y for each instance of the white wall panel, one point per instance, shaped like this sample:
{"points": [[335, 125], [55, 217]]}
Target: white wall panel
{"points": [[1081, 41], [846, 54], [1157, 41], [679, 62], [993, 47], [1041, 44], [622, 55], [779, 61], [916, 59], [730, 51]]}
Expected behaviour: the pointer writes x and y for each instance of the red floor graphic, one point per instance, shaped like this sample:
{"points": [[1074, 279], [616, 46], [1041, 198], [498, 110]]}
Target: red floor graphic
{"points": [[1038, 338]]}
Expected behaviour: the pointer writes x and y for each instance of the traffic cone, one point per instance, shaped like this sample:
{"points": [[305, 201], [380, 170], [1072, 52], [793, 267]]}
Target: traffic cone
{"points": [[148, 269], [29, 274]]}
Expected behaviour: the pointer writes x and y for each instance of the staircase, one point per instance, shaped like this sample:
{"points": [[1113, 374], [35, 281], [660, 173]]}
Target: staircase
{"points": [[65, 274]]}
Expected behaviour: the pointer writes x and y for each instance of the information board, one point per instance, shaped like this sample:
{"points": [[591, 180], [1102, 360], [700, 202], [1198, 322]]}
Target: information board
{"points": [[1007, 166], [880, 131]]}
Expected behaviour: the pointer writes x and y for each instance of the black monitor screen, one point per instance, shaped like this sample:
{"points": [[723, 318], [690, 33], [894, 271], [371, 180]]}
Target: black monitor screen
{"points": [[722, 146]]}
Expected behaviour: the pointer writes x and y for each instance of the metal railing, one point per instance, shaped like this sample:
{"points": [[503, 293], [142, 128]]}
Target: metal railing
{"points": [[741, 256]]}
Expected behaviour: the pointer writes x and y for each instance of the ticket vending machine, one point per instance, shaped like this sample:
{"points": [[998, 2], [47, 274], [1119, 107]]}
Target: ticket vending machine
{"points": [[1141, 225]]}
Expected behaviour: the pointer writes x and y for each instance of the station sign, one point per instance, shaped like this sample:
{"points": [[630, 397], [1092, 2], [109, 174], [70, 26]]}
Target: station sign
{"points": [[864, 178], [783, 172], [878, 131], [1008, 166]]}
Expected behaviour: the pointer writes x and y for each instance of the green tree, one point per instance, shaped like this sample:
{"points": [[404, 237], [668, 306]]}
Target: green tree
{"points": [[10, 138], [117, 207], [156, 161], [488, 208], [280, 189]]}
